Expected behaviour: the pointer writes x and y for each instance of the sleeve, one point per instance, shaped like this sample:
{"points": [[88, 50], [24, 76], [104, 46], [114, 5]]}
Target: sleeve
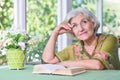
{"points": [[108, 53], [66, 54]]}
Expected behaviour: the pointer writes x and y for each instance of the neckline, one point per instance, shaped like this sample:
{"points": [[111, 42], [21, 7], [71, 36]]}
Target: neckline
{"points": [[84, 50]]}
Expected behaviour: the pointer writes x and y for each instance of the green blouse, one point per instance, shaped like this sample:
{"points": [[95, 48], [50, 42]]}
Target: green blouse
{"points": [[106, 51]]}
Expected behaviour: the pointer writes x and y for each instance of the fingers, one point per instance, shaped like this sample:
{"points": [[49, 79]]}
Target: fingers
{"points": [[66, 26], [63, 28]]}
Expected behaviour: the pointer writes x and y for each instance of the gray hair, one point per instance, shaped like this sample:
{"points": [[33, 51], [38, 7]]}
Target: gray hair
{"points": [[88, 14]]}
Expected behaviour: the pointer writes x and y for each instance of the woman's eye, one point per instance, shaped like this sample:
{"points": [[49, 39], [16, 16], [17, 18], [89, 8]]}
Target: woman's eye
{"points": [[84, 22], [74, 25]]}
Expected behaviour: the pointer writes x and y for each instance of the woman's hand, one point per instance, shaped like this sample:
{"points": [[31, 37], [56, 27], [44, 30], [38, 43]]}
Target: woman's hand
{"points": [[71, 63], [48, 55], [63, 28]]}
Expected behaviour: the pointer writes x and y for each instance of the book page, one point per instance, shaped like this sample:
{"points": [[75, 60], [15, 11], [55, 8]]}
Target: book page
{"points": [[46, 68], [53, 66]]}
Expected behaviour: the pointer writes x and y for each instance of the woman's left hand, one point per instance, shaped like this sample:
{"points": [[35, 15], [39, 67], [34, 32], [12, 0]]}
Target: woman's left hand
{"points": [[67, 63]]}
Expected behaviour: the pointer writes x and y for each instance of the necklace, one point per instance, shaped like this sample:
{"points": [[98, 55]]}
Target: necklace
{"points": [[83, 51]]}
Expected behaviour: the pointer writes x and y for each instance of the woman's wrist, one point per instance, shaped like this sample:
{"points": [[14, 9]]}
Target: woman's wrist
{"points": [[56, 33]]}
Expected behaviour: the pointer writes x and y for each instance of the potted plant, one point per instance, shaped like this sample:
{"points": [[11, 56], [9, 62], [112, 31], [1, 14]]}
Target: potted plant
{"points": [[16, 45]]}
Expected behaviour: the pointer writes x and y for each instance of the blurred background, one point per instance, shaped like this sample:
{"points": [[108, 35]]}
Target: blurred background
{"points": [[42, 17]]}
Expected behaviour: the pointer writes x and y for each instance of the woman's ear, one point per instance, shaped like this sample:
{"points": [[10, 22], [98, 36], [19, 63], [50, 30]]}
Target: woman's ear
{"points": [[94, 27]]}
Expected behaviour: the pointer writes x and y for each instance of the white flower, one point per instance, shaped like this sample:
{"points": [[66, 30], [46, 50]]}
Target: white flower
{"points": [[7, 42], [4, 51], [22, 45]]}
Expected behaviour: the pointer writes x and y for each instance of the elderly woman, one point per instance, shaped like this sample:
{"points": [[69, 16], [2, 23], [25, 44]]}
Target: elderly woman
{"points": [[92, 51]]}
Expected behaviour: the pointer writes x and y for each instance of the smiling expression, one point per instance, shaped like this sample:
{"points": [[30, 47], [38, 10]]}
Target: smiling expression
{"points": [[82, 28]]}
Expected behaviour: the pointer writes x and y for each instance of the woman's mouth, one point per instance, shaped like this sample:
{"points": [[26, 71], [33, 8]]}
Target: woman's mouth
{"points": [[84, 33]]}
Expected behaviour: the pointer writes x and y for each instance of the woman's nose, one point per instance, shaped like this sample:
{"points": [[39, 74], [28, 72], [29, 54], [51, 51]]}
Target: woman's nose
{"points": [[80, 28]]}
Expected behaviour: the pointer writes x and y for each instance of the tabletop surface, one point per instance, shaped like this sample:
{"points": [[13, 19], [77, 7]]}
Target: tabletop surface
{"points": [[26, 74]]}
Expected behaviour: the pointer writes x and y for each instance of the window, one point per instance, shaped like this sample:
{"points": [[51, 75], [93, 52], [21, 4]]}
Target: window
{"points": [[6, 14], [111, 17], [6, 21], [41, 20]]}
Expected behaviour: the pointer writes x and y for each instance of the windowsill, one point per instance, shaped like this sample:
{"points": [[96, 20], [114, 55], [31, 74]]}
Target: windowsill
{"points": [[119, 53], [28, 63], [1, 67]]}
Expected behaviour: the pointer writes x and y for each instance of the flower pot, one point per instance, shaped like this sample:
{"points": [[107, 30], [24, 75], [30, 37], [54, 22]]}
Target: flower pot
{"points": [[15, 58]]}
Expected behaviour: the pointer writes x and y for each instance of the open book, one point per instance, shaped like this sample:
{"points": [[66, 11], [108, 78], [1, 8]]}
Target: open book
{"points": [[57, 69]]}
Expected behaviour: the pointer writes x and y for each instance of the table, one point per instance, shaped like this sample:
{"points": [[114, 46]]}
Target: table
{"points": [[26, 74]]}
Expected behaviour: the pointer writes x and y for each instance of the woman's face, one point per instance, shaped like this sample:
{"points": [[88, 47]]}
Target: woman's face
{"points": [[82, 28]]}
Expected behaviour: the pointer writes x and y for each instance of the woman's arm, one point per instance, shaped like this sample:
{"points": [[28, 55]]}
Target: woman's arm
{"points": [[49, 54], [49, 51], [87, 64]]}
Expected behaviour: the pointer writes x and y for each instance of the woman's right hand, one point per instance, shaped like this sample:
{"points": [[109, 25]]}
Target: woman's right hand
{"points": [[48, 55], [63, 28]]}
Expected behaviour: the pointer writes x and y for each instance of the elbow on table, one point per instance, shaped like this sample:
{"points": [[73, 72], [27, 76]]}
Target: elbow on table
{"points": [[49, 61], [44, 60]]}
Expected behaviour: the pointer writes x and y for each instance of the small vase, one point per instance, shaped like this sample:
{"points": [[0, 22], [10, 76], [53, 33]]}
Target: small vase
{"points": [[15, 58]]}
